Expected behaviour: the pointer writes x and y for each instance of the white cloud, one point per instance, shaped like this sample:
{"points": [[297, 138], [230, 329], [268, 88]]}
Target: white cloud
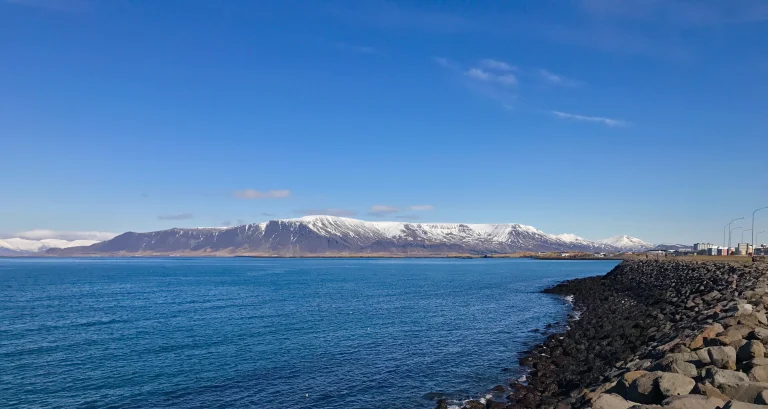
{"points": [[327, 212], [497, 65], [381, 210], [444, 62], [41, 234], [179, 216], [256, 194], [421, 208], [479, 74], [556, 79], [598, 119]]}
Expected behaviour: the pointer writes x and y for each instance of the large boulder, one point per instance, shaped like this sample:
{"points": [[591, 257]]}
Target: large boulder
{"points": [[708, 332], [758, 374], [693, 402], [673, 384], [473, 404], [610, 401], [743, 391], [706, 389], [759, 334], [644, 389], [622, 386], [734, 404], [674, 365], [762, 398], [750, 350], [722, 357], [716, 376]]}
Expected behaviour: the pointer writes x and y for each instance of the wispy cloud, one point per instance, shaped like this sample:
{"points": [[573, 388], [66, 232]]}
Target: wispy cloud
{"points": [[257, 194], [422, 208], [482, 75], [363, 49], [596, 119], [497, 65], [226, 223], [559, 80], [326, 212], [444, 62], [381, 210], [240, 222], [265, 214], [40, 234], [180, 216]]}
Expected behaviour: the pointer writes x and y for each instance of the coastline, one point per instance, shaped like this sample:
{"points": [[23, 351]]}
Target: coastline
{"points": [[648, 323]]}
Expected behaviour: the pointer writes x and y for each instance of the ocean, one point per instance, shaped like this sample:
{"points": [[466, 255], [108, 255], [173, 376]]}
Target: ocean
{"points": [[243, 332]]}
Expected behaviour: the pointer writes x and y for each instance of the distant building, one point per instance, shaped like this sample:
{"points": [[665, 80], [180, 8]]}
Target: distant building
{"points": [[702, 246], [722, 251], [742, 249], [712, 251]]}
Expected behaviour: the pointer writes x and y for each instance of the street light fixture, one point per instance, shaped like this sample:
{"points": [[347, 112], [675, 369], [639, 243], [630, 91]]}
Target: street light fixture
{"points": [[753, 224], [729, 236]]}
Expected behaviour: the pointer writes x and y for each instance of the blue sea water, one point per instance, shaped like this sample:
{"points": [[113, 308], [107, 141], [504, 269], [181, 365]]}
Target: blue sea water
{"points": [[240, 332]]}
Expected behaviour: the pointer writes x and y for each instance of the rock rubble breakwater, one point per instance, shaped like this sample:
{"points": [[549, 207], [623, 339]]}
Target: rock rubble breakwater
{"points": [[653, 334]]}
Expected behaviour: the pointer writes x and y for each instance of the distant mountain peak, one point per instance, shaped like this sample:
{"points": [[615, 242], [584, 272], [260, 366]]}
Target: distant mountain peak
{"points": [[625, 242]]}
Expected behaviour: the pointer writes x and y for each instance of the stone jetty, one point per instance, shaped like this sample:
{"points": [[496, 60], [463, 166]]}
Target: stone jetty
{"points": [[653, 334]]}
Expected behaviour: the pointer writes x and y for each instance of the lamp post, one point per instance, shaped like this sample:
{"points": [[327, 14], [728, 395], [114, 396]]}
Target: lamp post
{"points": [[729, 237], [731, 234], [753, 224], [742, 234]]}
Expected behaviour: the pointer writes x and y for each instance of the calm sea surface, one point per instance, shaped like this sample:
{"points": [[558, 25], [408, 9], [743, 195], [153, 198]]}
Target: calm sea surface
{"points": [[311, 333]]}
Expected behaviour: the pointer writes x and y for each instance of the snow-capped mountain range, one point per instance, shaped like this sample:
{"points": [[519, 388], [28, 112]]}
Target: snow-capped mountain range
{"points": [[17, 245], [339, 235]]}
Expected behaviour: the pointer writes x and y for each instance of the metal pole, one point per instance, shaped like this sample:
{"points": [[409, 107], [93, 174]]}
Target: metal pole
{"points": [[753, 224], [729, 234], [742, 234]]}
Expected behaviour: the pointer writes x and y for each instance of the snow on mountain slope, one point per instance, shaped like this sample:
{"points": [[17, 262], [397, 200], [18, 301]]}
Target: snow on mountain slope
{"points": [[331, 234], [627, 243], [25, 245]]}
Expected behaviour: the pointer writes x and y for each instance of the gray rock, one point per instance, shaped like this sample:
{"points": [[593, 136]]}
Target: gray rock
{"points": [[692, 402], [743, 391], [758, 374], [761, 318], [706, 389], [734, 404], [747, 366], [760, 334], [610, 401], [762, 398], [750, 350], [722, 357], [622, 386], [670, 364], [674, 384], [644, 389], [718, 376]]}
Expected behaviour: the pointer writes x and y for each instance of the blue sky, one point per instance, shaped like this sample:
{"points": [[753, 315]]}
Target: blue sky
{"points": [[594, 117]]}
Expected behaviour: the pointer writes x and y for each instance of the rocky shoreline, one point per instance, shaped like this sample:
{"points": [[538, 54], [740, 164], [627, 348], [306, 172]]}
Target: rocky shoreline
{"points": [[652, 334]]}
